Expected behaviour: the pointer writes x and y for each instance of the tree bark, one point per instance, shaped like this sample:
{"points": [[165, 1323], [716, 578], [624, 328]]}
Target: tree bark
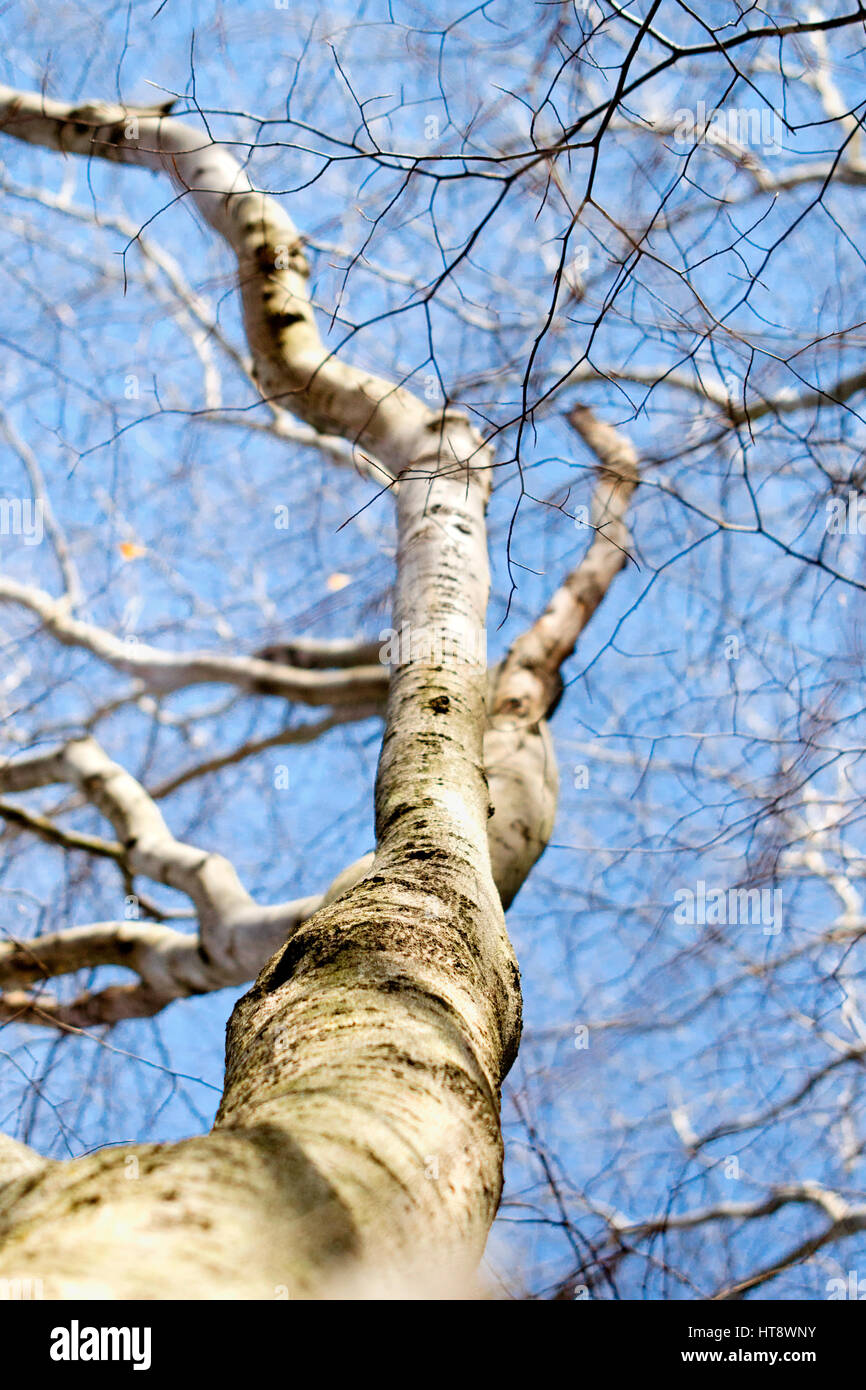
{"points": [[358, 1133], [357, 1145]]}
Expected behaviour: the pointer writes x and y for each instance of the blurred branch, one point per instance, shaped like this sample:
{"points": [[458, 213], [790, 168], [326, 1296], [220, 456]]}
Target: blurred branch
{"points": [[162, 672]]}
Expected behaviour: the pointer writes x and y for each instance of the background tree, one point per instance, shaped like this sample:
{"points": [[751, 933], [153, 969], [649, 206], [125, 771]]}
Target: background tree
{"points": [[576, 285]]}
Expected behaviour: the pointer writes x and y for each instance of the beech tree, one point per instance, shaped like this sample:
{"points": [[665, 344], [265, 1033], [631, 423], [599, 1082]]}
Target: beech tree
{"points": [[575, 291]]}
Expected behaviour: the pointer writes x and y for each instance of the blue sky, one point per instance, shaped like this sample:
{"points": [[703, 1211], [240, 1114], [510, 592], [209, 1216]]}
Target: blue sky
{"points": [[686, 748]]}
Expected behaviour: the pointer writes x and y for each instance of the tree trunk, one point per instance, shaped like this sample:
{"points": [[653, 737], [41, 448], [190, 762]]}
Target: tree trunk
{"points": [[358, 1135]]}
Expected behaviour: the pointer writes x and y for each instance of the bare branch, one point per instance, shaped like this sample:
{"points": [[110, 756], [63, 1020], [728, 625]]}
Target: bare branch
{"points": [[161, 672]]}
